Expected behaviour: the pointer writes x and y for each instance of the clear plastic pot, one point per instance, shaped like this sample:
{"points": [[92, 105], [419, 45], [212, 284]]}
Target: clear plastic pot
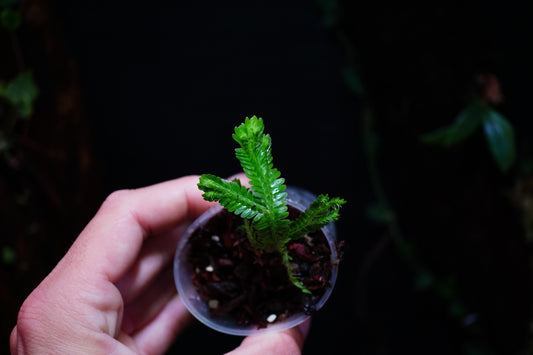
{"points": [[183, 272]]}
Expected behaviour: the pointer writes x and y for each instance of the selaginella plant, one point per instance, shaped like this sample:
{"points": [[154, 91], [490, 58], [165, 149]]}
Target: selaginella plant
{"points": [[263, 205]]}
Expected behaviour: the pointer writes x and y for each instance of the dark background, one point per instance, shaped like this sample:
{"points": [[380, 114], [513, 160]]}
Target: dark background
{"points": [[160, 87], [166, 84]]}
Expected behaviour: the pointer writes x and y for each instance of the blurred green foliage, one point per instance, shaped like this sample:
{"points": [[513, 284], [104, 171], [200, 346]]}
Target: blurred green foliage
{"points": [[18, 95], [477, 115], [9, 256], [21, 93], [10, 17], [498, 131]]}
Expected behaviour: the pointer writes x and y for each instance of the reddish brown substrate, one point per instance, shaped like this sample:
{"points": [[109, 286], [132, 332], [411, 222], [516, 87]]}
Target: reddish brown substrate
{"points": [[235, 279]]}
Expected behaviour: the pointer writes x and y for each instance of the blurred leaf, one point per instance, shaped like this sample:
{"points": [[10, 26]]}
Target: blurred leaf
{"points": [[379, 213], [464, 126], [500, 136], [8, 255], [498, 130], [10, 19], [21, 92], [353, 81]]}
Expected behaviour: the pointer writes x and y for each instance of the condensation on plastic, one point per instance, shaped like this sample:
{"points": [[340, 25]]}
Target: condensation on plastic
{"points": [[297, 198]]}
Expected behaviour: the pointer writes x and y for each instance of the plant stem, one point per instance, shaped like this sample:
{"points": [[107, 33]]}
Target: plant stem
{"points": [[371, 151]]}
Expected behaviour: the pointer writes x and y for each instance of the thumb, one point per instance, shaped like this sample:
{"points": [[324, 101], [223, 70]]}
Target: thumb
{"points": [[286, 342]]}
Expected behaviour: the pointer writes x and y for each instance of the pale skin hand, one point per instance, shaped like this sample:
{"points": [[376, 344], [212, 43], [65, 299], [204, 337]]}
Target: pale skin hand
{"points": [[113, 292]]}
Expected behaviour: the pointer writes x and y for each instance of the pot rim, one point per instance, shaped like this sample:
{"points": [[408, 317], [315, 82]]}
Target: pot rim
{"points": [[297, 198]]}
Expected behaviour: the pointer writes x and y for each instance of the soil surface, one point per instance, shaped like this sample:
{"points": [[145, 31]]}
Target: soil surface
{"points": [[253, 286]]}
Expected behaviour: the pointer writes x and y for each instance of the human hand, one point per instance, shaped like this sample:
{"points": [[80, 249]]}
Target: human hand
{"points": [[113, 292]]}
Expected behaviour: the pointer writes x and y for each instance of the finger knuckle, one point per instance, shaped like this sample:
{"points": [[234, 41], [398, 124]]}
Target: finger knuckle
{"points": [[116, 199], [31, 315]]}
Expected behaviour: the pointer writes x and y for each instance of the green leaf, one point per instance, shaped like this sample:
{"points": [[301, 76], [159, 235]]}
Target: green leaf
{"points": [[232, 195], [10, 19], [321, 212], [255, 156], [294, 279], [21, 92], [264, 206], [463, 127], [499, 133], [500, 136]]}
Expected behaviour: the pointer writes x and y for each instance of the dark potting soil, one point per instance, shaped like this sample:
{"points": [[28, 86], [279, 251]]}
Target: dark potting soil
{"points": [[253, 286]]}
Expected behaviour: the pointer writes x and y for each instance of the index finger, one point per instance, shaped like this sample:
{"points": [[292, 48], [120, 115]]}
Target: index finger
{"points": [[111, 241]]}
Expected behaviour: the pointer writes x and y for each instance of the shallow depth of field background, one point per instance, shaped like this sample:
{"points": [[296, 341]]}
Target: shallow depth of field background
{"points": [[131, 95]]}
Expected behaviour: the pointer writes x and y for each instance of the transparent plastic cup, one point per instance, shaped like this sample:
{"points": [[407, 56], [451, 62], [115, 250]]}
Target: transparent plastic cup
{"points": [[183, 272]]}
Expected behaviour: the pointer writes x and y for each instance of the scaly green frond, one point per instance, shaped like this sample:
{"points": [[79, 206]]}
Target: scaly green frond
{"points": [[232, 195], [264, 203], [294, 279], [321, 212], [255, 156]]}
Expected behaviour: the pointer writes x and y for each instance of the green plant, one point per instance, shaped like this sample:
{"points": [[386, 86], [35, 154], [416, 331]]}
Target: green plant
{"points": [[498, 131], [21, 92], [18, 95], [263, 206]]}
